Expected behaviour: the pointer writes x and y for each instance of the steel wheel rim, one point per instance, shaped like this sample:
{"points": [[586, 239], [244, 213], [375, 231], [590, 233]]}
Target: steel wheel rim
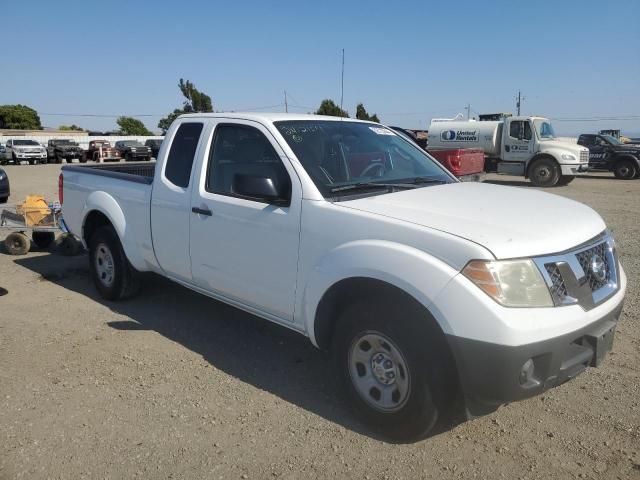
{"points": [[379, 372], [105, 269]]}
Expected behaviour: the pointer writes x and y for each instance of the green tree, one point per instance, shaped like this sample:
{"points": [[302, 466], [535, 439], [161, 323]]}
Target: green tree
{"points": [[73, 128], [19, 117], [328, 107], [195, 101], [361, 114], [132, 126]]}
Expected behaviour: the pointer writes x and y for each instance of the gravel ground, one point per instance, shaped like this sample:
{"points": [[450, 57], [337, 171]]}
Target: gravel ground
{"points": [[174, 385]]}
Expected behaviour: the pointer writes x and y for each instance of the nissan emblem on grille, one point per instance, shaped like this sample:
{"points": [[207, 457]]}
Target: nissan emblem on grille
{"points": [[598, 268]]}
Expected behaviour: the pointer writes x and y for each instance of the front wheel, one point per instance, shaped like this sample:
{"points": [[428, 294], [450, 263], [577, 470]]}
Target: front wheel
{"points": [[392, 368], [17, 243], [625, 170], [566, 179], [545, 173], [112, 273]]}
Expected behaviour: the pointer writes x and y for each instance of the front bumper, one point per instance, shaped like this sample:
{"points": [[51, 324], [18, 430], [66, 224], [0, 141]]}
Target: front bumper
{"points": [[492, 375], [30, 155], [573, 168]]}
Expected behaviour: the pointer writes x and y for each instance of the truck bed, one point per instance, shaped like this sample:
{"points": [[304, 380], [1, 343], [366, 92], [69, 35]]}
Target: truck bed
{"points": [[141, 172]]}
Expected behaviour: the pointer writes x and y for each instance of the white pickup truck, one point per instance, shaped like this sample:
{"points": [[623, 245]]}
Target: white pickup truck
{"points": [[431, 301]]}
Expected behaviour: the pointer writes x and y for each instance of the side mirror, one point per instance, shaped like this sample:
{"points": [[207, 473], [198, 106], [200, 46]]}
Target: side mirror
{"points": [[260, 189]]}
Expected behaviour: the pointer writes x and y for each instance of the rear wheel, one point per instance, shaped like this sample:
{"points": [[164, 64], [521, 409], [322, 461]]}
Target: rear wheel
{"points": [[625, 170], [544, 172], [17, 243], [392, 368], [112, 273]]}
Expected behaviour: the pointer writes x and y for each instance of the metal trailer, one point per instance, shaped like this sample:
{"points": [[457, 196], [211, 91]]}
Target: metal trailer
{"points": [[43, 233]]}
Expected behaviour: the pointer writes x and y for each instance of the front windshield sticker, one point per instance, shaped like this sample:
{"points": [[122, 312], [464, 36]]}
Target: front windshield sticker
{"points": [[382, 131]]}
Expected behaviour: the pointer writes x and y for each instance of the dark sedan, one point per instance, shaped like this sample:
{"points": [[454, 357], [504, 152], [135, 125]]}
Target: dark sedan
{"points": [[4, 186]]}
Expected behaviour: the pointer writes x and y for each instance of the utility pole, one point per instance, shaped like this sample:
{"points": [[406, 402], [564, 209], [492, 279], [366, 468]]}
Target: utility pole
{"points": [[286, 105], [342, 82], [468, 109], [518, 102]]}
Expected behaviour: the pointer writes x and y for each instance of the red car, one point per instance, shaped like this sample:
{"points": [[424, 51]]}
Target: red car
{"points": [[102, 151]]}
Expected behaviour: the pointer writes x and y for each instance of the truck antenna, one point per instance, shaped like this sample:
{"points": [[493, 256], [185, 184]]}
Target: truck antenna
{"points": [[342, 81]]}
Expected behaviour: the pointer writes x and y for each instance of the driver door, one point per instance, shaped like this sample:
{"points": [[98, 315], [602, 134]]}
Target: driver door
{"points": [[246, 249]]}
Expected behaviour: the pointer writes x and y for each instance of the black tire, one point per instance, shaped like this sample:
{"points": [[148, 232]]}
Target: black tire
{"points": [[545, 172], [106, 254], [17, 243], [83, 158], [4, 199], [566, 179], [15, 159], [68, 246], [43, 240], [428, 368], [625, 169]]}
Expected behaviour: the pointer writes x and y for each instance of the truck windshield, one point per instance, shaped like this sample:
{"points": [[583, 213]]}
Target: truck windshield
{"points": [[345, 156], [25, 142], [544, 129], [612, 140]]}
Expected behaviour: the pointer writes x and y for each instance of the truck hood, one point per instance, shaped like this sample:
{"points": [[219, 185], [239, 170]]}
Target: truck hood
{"points": [[574, 148], [508, 221]]}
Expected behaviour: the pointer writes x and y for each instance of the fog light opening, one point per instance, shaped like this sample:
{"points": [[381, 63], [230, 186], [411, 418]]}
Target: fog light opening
{"points": [[527, 372]]}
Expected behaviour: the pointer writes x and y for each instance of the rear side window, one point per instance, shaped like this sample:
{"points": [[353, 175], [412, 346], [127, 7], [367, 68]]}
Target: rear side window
{"points": [[183, 149]]}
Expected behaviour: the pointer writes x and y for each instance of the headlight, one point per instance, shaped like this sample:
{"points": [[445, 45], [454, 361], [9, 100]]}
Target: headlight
{"points": [[567, 156], [512, 283]]}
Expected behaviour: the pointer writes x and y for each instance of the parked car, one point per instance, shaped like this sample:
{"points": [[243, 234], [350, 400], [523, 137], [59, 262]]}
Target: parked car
{"points": [[609, 153], [29, 150], [524, 146], [467, 164], [63, 149], [3, 155], [341, 230], [102, 151], [133, 150], [5, 189], [154, 144]]}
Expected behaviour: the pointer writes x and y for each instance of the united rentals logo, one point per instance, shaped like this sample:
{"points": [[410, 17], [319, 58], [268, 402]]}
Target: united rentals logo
{"points": [[459, 136]]}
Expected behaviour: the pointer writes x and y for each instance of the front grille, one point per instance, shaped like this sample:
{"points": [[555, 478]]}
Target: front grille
{"points": [[586, 275], [585, 259], [558, 287], [584, 156]]}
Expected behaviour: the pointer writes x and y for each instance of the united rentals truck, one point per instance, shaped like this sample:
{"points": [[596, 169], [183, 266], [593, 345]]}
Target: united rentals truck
{"points": [[524, 146]]}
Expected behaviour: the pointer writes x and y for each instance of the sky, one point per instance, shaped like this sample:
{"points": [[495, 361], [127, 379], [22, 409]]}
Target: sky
{"points": [[89, 62]]}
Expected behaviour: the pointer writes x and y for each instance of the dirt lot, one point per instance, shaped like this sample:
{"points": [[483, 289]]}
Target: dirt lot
{"points": [[174, 385]]}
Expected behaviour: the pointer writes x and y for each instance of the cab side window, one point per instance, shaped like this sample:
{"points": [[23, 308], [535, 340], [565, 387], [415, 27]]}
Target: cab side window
{"points": [[241, 150], [181, 155], [520, 129]]}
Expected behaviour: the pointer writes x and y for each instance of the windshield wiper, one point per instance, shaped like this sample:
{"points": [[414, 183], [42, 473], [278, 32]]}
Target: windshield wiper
{"points": [[367, 185], [423, 180]]}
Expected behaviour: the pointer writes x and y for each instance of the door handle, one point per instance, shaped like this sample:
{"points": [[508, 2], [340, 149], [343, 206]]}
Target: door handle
{"points": [[201, 211]]}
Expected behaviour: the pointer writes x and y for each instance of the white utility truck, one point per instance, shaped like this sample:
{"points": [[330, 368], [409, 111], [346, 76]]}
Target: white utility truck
{"points": [[516, 146], [432, 302]]}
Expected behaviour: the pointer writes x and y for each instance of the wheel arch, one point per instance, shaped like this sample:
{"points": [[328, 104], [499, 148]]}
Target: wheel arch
{"points": [[538, 157], [625, 156]]}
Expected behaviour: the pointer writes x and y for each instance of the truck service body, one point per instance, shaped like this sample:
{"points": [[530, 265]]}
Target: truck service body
{"points": [[515, 145], [351, 235]]}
